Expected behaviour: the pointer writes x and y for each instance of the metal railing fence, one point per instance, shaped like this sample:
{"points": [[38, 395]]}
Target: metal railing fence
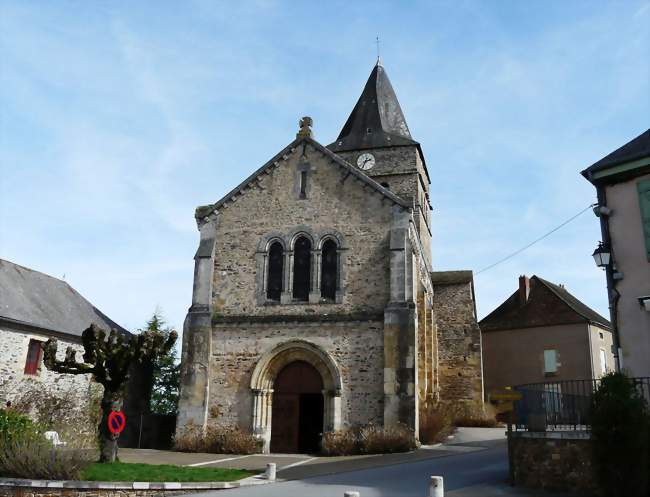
{"points": [[561, 405]]}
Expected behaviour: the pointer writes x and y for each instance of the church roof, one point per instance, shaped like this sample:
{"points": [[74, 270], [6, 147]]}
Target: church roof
{"points": [[376, 120], [32, 298], [547, 304], [204, 211]]}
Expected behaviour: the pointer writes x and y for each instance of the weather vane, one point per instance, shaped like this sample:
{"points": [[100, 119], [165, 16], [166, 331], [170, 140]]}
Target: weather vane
{"points": [[377, 42]]}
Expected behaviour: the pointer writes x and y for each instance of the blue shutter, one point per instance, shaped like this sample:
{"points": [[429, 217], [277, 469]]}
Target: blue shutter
{"points": [[644, 204]]}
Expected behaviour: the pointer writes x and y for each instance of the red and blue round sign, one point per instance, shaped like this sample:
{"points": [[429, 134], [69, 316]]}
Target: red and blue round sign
{"points": [[116, 422]]}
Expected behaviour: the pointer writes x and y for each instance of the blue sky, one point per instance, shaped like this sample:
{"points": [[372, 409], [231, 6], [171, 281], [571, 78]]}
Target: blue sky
{"points": [[119, 118]]}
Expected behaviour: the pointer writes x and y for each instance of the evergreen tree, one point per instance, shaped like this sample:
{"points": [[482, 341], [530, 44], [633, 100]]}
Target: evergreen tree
{"points": [[166, 371]]}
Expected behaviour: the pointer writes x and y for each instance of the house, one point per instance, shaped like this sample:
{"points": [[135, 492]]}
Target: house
{"points": [[543, 333], [622, 181], [35, 307], [313, 304]]}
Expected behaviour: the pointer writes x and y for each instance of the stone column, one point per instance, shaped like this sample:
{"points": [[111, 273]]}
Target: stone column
{"points": [[316, 262], [332, 410], [287, 288]]}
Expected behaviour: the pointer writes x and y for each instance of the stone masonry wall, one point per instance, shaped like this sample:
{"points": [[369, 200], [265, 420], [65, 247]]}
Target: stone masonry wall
{"points": [[335, 201], [356, 347], [13, 381], [459, 343], [553, 461]]}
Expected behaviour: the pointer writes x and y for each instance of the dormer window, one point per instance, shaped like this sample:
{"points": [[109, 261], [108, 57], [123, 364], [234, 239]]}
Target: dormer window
{"points": [[369, 130]]}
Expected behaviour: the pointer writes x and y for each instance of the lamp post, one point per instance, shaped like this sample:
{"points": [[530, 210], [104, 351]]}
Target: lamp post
{"points": [[601, 255]]}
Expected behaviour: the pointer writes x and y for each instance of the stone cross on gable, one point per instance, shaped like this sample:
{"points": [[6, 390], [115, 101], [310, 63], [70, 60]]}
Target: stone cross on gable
{"points": [[305, 127]]}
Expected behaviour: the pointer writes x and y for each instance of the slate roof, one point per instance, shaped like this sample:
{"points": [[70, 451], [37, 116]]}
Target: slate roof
{"points": [[635, 149], [204, 211], [548, 304], [451, 277], [28, 297], [377, 119]]}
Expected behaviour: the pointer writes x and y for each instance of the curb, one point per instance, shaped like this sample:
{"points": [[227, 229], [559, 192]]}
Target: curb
{"points": [[122, 485]]}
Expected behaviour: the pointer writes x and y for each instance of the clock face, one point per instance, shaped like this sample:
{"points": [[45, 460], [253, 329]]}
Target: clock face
{"points": [[366, 161]]}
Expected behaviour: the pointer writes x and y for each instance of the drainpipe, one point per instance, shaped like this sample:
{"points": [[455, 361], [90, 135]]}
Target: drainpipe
{"points": [[612, 292]]}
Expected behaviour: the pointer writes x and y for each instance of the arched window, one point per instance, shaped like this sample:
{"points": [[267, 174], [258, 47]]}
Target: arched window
{"points": [[301, 269], [329, 270], [275, 263]]}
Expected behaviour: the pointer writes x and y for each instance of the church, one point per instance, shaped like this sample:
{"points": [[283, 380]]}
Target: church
{"points": [[314, 304]]}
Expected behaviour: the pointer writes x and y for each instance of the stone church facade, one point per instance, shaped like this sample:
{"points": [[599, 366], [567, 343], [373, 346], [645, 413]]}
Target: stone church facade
{"points": [[314, 305]]}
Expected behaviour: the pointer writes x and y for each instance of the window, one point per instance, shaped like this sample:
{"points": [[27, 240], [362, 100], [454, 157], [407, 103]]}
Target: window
{"points": [[303, 184], [329, 270], [34, 355], [275, 265], [603, 361], [301, 269], [550, 361], [644, 205]]}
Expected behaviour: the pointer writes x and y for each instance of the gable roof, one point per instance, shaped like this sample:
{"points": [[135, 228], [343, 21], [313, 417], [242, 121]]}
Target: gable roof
{"points": [[204, 211], [635, 149], [377, 119], [548, 304], [32, 298]]}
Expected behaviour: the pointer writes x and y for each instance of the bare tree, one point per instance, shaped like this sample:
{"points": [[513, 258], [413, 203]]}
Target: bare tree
{"points": [[109, 360]]}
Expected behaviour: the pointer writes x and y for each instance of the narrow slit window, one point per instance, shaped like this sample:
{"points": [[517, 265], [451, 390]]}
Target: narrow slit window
{"points": [[329, 270], [34, 355], [301, 269], [303, 184], [276, 263]]}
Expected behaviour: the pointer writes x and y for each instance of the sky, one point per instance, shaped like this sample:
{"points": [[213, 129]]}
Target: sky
{"points": [[118, 118]]}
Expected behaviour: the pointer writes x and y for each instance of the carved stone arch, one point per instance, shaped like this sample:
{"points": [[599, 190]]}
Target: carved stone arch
{"points": [[331, 234], [266, 371], [266, 241], [299, 231]]}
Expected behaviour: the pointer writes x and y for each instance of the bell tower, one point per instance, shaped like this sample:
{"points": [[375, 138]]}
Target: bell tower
{"points": [[377, 140]]}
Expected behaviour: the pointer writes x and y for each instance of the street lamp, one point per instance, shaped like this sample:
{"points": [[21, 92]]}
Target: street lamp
{"points": [[601, 255]]}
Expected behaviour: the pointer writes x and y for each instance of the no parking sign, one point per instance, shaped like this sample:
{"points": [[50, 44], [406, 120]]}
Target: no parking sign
{"points": [[116, 422]]}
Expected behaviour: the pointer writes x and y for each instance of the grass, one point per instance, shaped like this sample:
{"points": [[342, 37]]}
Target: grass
{"points": [[121, 471]]}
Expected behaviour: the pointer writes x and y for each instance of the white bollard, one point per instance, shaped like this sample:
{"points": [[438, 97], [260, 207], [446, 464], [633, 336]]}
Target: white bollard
{"points": [[436, 487], [270, 471], [351, 494]]}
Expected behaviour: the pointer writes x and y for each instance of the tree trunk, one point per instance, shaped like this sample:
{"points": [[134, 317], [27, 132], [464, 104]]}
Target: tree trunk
{"points": [[108, 441]]}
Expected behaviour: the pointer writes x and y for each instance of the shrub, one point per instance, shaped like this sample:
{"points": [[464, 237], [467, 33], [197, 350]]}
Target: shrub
{"points": [[478, 414], [13, 426], [340, 443], [620, 434], [368, 439], [435, 426], [25, 453], [31, 456], [216, 440]]}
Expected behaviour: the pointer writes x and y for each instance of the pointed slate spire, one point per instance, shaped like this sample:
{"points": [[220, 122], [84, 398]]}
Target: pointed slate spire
{"points": [[376, 120]]}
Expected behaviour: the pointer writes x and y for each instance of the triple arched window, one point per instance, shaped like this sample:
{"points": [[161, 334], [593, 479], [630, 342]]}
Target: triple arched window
{"points": [[306, 272]]}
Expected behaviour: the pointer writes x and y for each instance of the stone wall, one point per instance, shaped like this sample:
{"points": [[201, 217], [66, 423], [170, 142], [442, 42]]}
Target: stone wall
{"points": [[459, 343], [355, 346], [335, 202], [13, 381], [554, 461]]}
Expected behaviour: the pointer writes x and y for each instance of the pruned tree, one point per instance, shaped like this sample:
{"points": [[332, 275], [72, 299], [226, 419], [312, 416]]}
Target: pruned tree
{"points": [[109, 359]]}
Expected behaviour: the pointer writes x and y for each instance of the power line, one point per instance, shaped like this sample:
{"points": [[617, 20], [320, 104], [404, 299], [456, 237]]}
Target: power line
{"points": [[535, 241]]}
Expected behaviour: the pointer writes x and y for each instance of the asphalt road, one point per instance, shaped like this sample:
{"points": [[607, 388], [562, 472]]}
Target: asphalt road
{"points": [[400, 480]]}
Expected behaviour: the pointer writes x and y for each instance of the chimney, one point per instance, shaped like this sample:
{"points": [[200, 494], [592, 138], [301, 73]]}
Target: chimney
{"points": [[524, 289]]}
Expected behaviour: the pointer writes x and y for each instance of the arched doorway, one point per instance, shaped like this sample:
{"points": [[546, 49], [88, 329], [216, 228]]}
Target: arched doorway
{"points": [[297, 412]]}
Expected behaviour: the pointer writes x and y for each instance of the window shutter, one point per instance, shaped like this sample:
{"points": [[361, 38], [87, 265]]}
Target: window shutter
{"points": [[34, 353], [644, 204]]}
